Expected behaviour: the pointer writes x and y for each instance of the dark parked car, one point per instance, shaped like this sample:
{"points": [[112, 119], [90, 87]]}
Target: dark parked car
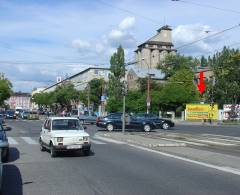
{"points": [[4, 143], [86, 118], [10, 114], [160, 123], [114, 121]]}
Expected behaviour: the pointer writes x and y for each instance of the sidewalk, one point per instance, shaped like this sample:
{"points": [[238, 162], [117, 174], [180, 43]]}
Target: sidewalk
{"points": [[181, 150]]}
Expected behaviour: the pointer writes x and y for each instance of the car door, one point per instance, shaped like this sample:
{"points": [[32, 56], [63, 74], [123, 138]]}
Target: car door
{"points": [[45, 132], [48, 131], [133, 123]]}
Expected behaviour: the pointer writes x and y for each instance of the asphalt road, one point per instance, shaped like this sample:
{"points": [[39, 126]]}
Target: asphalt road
{"points": [[110, 169], [233, 130]]}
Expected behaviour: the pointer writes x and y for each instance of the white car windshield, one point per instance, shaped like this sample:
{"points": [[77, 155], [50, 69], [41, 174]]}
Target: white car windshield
{"points": [[66, 124]]}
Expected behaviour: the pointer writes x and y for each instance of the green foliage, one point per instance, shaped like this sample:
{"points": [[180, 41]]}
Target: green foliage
{"points": [[227, 80], [5, 90], [113, 104], [135, 101], [173, 63], [143, 83], [117, 69], [96, 88], [65, 94]]}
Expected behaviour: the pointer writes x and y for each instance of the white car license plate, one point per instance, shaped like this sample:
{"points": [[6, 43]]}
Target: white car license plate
{"points": [[74, 147]]}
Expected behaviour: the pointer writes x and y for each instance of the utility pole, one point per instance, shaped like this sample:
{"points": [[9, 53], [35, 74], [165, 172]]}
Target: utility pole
{"points": [[88, 99], [148, 94]]}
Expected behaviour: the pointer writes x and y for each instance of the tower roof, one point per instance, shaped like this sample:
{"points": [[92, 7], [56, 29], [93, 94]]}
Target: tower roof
{"points": [[166, 27]]}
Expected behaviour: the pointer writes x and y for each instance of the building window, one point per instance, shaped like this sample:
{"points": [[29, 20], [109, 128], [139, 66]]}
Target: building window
{"points": [[96, 72]]}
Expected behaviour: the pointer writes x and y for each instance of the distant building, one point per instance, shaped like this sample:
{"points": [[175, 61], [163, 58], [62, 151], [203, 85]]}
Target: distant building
{"points": [[153, 51], [81, 79], [135, 72], [20, 99], [208, 74]]}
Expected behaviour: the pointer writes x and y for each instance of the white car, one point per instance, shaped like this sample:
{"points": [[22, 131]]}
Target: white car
{"points": [[64, 134]]}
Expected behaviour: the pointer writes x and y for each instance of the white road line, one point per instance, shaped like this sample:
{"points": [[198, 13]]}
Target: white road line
{"points": [[186, 142], [29, 140], [12, 141], [96, 142], [221, 136], [109, 140], [220, 168], [213, 142], [224, 139]]}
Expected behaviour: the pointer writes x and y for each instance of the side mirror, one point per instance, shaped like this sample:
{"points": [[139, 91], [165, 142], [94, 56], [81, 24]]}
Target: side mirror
{"points": [[8, 128], [84, 127]]}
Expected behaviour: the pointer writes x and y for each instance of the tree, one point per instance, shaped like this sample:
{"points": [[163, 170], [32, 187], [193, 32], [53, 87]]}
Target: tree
{"points": [[5, 90], [226, 89], [65, 94], [117, 69], [143, 83], [95, 88], [135, 101], [179, 90], [173, 63]]}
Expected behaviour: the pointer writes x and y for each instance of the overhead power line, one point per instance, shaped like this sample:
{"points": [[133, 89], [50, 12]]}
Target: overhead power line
{"points": [[216, 50], [208, 6], [207, 37], [129, 11]]}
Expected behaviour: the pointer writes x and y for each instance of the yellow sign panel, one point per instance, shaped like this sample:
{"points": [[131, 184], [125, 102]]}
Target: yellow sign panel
{"points": [[201, 111]]}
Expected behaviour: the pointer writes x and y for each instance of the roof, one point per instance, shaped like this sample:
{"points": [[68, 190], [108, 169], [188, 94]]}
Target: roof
{"points": [[143, 72], [157, 43], [22, 94], [166, 27], [79, 73]]}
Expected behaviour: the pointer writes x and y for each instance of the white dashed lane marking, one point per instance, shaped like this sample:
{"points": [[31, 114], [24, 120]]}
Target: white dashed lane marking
{"points": [[29, 140], [12, 141]]}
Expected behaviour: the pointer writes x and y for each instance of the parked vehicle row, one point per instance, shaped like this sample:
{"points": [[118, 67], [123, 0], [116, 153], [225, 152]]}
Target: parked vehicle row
{"points": [[142, 122]]}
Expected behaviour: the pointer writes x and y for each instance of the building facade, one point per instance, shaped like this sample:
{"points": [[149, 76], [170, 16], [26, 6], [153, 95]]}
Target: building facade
{"points": [[134, 73], [150, 53], [20, 100], [81, 79]]}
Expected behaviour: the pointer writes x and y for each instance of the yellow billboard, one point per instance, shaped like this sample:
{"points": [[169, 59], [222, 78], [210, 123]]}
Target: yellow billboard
{"points": [[201, 111]]}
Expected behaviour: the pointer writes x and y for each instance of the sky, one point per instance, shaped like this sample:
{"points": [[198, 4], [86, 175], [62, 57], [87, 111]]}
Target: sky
{"points": [[43, 39]]}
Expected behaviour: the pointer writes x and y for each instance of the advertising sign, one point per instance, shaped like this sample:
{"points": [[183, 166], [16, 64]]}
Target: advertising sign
{"points": [[231, 112], [201, 111]]}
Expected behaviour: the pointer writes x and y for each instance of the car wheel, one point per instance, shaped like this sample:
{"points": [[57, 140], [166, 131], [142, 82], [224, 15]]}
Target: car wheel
{"points": [[86, 152], [110, 127], [5, 155], [165, 126], [147, 128], [53, 152], [42, 148]]}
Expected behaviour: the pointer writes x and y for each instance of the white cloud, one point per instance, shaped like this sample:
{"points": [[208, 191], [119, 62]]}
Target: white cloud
{"points": [[184, 34], [81, 45], [127, 23], [115, 34]]}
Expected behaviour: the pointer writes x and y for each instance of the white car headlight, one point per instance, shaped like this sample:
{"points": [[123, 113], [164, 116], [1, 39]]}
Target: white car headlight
{"points": [[85, 138], [59, 139]]}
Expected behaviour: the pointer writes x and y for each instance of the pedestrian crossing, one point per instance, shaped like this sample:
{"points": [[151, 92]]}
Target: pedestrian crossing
{"points": [[34, 141]]}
